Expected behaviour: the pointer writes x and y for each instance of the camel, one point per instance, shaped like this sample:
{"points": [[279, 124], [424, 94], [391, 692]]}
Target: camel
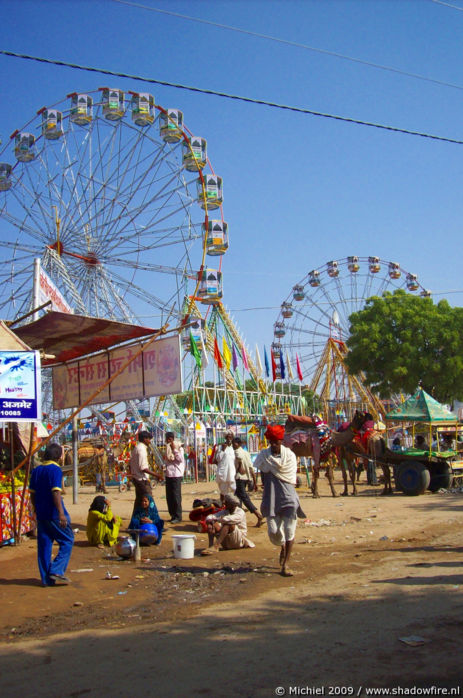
{"points": [[310, 437], [376, 447]]}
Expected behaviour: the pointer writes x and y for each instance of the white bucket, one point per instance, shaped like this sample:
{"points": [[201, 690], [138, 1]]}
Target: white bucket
{"points": [[184, 546]]}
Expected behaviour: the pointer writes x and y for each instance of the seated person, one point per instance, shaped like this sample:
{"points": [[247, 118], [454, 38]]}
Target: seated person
{"points": [[102, 525], [420, 442], [227, 528], [147, 513]]}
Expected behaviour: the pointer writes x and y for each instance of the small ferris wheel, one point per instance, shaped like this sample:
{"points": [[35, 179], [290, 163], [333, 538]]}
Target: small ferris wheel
{"points": [[119, 202], [316, 313]]}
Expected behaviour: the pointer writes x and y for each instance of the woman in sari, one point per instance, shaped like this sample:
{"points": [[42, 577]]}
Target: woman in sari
{"points": [[102, 525], [147, 513]]}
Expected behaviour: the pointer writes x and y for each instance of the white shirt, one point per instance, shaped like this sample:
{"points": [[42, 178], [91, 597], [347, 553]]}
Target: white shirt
{"points": [[139, 465]]}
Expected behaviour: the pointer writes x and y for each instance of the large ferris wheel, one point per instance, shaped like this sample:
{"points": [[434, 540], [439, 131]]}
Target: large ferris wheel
{"points": [[313, 323], [119, 202]]}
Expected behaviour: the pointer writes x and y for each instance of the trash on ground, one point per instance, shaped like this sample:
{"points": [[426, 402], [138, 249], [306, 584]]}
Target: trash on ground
{"points": [[414, 640], [82, 569]]}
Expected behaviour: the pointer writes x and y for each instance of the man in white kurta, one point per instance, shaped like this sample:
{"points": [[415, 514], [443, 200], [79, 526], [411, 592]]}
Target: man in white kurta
{"points": [[280, 503], [225, 460]]}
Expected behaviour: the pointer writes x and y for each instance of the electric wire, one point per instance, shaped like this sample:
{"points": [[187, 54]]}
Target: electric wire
{"points": [[296, 44], [225, 95]]}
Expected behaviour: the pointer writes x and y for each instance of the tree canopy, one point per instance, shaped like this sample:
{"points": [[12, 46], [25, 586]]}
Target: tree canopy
{"points": [[399, 339]]}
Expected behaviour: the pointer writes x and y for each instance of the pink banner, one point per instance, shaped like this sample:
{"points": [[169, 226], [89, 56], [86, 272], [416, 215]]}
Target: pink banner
{"points": [[157, 371]]}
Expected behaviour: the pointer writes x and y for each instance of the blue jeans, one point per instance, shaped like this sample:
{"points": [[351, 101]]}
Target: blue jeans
{"points": [[47, 533]]}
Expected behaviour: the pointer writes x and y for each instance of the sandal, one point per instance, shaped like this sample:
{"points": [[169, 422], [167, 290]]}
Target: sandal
{"points": [[207, 551]]}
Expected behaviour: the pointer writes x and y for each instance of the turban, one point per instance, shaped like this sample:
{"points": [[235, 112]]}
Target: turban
{"points": [[275, 433]]}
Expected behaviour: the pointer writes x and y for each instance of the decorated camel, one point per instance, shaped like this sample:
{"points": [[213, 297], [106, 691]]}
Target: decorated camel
{"points": [[312, 438], [372, 447]]}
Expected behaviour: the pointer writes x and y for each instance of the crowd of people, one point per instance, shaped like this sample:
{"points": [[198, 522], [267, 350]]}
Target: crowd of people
{"points": [[226, 528]]}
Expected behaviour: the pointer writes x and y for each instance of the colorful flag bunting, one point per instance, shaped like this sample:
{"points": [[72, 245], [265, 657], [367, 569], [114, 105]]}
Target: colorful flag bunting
{"points": [[244, 357], [195, 351], [267, 367], [226, 353], [203, 350], [217, 356], [298, 367], [258, 362], [274, 365], [282, 367], [234, 358], [290, 370]]}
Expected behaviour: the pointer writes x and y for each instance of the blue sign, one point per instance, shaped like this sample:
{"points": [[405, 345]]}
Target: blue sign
{"points": [[20, 395]]}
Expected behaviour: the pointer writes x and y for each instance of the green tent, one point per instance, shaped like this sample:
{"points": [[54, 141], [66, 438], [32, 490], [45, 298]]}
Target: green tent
{"points": [[421, 407]]}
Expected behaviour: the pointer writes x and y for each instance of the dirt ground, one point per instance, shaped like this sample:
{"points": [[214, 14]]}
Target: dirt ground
{"points": [[370, 571]]}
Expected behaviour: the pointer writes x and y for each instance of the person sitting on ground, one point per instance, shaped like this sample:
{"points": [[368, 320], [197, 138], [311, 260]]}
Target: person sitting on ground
{"points": [[244, 473], [147, 513], [102, 525], [228, 528]]}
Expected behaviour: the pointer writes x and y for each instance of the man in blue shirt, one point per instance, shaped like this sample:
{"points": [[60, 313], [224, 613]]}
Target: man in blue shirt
{"points": [[53, 521]]}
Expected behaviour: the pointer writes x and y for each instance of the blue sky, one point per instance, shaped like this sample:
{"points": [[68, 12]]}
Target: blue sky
{"points": [[299, 190]]}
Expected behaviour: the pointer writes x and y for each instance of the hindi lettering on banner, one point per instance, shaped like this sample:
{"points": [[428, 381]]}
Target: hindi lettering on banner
{"points": [[20, 396], [48, 291], [93, 372], [130, 382], [65, 387], [157, 371], [163, 368]]}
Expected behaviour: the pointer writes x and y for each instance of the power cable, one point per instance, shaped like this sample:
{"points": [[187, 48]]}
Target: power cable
{"points": [[225, 95], [296, 44], [447, 4]]}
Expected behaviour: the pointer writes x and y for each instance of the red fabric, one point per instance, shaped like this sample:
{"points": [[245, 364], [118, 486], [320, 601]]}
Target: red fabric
{"points": [[298, 367], [69, 336], [275, 433], [274, 366], [217, 355]]}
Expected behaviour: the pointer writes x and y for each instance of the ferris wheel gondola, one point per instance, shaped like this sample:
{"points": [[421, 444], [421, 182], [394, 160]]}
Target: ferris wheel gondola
{"points": [[318, 308], [114, 196]]}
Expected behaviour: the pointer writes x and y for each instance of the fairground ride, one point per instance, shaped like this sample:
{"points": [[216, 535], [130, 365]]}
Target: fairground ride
{"points": [[312, 328], [116, 200]]}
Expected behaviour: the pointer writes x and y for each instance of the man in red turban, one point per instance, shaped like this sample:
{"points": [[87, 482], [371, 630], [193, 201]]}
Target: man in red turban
{"points": [[275, 432], [280, 503]]}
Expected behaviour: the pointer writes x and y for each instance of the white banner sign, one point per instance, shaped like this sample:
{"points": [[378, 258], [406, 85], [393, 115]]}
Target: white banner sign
{"points": [[48, 291]]}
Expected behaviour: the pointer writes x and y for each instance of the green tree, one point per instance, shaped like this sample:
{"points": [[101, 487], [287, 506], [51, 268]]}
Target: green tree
{"points": [[399, 339]]}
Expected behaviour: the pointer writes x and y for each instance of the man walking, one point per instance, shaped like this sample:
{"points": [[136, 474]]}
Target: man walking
{"points": [[280, 503], [140, 469], [53, 521], [175, 468]]}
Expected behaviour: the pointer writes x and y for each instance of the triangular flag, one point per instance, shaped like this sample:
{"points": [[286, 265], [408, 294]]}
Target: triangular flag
{"points": [[298, 367], [267, 367], [234, 358], [203, 350], [290, 370], [226, 353], [274, 365], [282, 367], [217, 356], [195, 351], [258, 362], [244, 357]]}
